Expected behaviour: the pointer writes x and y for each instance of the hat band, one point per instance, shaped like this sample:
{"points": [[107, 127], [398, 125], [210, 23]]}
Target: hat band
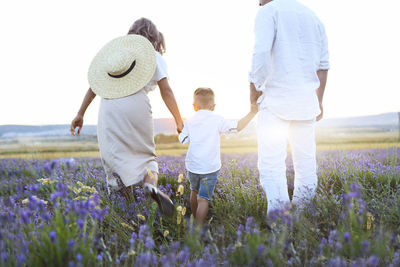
{"points": [[125, 73]]}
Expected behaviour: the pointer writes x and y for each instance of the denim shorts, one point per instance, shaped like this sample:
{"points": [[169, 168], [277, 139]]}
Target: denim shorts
{"points": [[203, 184]]}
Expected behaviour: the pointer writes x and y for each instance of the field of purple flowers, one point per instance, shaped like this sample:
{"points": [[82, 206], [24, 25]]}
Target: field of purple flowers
{"points": [[58, 213]]}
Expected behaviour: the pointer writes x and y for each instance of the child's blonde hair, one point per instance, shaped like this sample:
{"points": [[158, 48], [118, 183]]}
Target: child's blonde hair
{"points": [[204, 98]]}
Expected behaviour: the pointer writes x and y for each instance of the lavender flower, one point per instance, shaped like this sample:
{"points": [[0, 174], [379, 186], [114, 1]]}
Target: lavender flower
{"points": [[373, 261], [80, 223], [70, 245], [25, 217], [4, 256], [364, 247], [149, 243], [53, 236], [347, 237], [361, 170]]}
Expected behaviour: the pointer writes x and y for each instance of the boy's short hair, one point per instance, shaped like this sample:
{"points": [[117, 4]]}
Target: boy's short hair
{"points": [[204, 98]]}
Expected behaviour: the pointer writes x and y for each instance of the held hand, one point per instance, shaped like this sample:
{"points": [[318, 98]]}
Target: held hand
{"points": [[77, 122], [179, 126], [319, 117], [254, 94]]}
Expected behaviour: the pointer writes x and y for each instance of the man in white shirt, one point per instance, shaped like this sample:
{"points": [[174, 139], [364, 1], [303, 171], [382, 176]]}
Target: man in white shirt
{"points": [[287, 79]]}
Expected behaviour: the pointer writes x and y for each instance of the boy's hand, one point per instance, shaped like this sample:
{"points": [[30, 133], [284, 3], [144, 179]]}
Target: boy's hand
{"points": [[254, 94], [253, 108]]}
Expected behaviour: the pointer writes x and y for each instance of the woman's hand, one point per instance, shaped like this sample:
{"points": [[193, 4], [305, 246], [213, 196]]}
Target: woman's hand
{"points": [[77, 122]]}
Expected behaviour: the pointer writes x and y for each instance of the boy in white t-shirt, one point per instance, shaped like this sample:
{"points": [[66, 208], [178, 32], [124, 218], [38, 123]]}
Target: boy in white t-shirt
{"points": [[203, 160]]}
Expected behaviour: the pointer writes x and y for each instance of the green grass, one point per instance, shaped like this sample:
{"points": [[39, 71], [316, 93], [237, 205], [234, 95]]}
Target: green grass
{"points": [[64, 148], [357, 201]]}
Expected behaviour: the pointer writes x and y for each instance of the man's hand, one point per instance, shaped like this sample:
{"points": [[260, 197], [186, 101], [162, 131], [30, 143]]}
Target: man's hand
{"points": [[319, 117], [77, 122], [322, 76], [254, 94], [179, 126]]}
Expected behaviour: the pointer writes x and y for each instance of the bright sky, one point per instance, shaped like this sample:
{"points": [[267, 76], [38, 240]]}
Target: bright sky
{"points": [[47, 46]]}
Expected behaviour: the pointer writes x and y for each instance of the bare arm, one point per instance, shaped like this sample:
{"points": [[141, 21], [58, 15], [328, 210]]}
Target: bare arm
{"points": [[78, 120], [169, 99], [322, 76], [254, 94], [246, 119]]}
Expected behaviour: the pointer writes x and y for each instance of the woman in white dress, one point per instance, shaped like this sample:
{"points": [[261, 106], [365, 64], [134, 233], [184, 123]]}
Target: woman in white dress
{"points": [[125, 127]]}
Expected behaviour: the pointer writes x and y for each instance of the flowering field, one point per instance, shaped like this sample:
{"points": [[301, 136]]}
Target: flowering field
{"points": [[58, 213]]}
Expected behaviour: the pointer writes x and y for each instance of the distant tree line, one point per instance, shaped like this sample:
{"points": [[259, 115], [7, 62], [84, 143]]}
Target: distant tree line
{"points": [[166, 138]]}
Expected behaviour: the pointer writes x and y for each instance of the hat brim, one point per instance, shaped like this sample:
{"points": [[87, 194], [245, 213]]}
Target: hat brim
{"points": [[106, 86]]}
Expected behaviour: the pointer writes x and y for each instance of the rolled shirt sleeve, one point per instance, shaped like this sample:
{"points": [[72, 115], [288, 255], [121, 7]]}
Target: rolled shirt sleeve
{"points": [[227, 126], [324, 59], [264, 30], [184, 136]]}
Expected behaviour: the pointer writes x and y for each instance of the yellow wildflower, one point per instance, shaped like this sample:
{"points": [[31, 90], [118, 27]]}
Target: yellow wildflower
{"points": [[369, 224], [184, 211], [166, 232], [127, 226], [140, 216], [83, 188], [180, 178], [80, 197], [44, 181], [89, 189], [74, 189], [238, 245], [93, 190], [131, 253], [370, 220], [180, 190], [179, 219], [179, 208], [39, 200], [25, 201], [134, 224]]}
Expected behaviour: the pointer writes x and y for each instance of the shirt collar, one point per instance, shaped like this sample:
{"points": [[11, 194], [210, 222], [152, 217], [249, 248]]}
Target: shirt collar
{"points": [[204, 111]]}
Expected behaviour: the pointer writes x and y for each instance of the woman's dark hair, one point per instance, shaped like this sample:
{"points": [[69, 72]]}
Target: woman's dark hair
{"points": [[148, 29]]}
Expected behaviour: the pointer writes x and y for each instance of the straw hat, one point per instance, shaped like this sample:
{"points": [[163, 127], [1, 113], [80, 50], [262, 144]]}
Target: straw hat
{"points": [[122, 67]]}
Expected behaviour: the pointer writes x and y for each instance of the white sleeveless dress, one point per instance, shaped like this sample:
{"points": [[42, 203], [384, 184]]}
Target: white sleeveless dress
{"points": [[125, 134]]}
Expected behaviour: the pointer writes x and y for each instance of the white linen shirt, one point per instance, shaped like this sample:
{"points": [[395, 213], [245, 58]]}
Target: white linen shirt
{"points": [[203, 131], [290, 47]]}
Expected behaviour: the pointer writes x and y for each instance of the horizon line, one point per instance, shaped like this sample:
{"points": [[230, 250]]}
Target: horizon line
{"points": [[164, 118]]}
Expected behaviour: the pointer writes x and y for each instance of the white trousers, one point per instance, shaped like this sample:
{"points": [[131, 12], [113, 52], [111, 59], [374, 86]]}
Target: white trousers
{"points": [[273, 134]]}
